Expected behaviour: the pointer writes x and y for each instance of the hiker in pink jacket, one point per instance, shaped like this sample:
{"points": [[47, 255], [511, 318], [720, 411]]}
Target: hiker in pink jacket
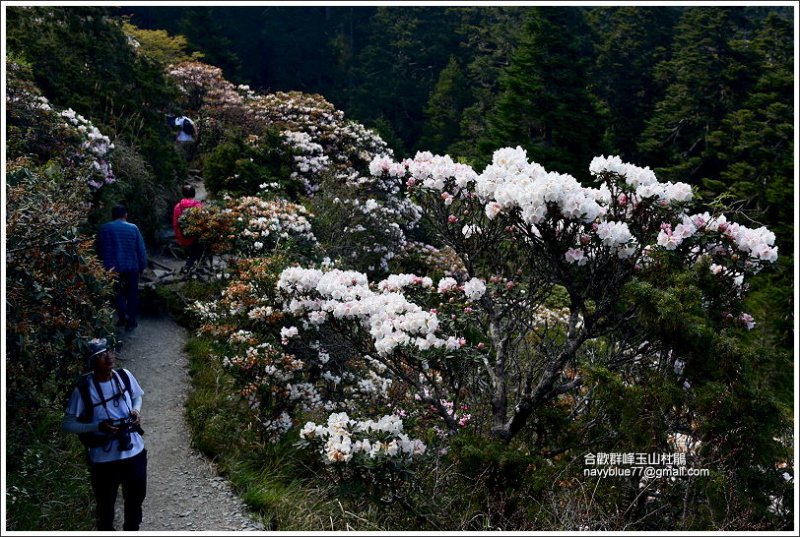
{"points": [[192, 245]]}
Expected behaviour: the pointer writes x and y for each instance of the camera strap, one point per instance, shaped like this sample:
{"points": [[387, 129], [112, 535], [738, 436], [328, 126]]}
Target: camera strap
{"points": [[115, 395]]}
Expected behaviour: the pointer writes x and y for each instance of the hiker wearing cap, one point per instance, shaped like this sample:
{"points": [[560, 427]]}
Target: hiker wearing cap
{"points": [[121, 247], [105, 411]]}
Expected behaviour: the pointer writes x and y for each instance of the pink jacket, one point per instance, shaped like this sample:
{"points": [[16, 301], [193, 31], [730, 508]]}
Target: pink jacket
{"points": [[182, 205]]}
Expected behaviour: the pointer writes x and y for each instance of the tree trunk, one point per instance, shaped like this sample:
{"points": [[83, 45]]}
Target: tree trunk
{"points": [[500, 398]]}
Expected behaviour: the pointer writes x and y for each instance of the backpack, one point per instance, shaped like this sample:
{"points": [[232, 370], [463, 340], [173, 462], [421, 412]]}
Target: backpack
{"points": [[92, 440], [188, 126]]}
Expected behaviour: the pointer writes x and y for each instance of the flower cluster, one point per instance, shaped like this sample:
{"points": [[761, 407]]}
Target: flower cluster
{"points": [[730, 238], [33, 120], [204, 86], [390, 319], [474, 289], [248, 226], [426, 170], [512, 182], [271, 359], [318, 134], [397, 282], [263, 372], [309, 158], [461, 415], [259, 367], [307, 330], [371, 225], [596, 221], [616, 228], [545, 317], [95, 146], [274, 220], [369, 216], [343, 438], [642, 180]]}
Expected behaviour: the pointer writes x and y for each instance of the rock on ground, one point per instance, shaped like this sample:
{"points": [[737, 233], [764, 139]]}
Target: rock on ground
{"points": [[184, 491]]}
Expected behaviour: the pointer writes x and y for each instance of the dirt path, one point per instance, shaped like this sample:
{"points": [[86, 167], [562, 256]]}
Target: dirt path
{"points": [[183, 489]]}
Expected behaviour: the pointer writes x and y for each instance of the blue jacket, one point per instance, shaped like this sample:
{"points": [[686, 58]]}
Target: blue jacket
{"points": [[122, 247]]}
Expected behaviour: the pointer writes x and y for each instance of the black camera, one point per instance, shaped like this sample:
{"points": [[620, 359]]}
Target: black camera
{"points": [[125, 426], [123, 423]]}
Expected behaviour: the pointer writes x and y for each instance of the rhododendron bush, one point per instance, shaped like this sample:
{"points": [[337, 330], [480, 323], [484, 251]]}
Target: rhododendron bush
{"points": [[38, 128], [313, 130], [543, 290], [366, 219], [57, 297], [277, 373], [57, 290], [248, 226]]}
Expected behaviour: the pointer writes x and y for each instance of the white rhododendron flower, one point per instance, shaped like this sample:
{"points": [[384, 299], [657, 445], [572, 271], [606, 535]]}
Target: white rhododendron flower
{"points": [[468, 231], [345, 439], [446, 284], [388, 316], [474, 289], [576, 256]]}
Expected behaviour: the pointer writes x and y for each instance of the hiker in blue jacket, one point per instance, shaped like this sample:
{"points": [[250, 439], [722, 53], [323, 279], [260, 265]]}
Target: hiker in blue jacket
{"points": [[105, 411], [121, 247]]}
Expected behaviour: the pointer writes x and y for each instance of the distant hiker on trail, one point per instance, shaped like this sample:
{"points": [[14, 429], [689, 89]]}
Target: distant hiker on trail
{"points": [[186, 136], [187, 132], [121, 246], [191, 244], [104, 410]]}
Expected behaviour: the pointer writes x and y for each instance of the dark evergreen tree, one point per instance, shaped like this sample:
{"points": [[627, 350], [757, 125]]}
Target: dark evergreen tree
{"points": [[724, 125], [203, 30], [489, 37], [629, 42], [545, 105], [346, 30], [444, 109], [398, 67], [707, 79], [755, 141], [297, 54]]}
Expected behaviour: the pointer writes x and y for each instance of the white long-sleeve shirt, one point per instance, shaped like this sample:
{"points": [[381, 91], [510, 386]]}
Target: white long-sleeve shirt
{"points": [[118, 405]]}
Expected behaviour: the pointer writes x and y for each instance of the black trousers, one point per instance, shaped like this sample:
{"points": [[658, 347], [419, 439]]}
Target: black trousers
{"points": [[195, 251], [107, 477], [127, 297]]}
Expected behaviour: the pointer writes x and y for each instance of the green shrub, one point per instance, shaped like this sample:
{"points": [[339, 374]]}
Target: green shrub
{"points": [[47, 487], [82, 59], [241, 165]]}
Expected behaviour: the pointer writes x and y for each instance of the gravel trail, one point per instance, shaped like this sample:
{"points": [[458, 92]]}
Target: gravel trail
{"points": [[184, 492]]}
